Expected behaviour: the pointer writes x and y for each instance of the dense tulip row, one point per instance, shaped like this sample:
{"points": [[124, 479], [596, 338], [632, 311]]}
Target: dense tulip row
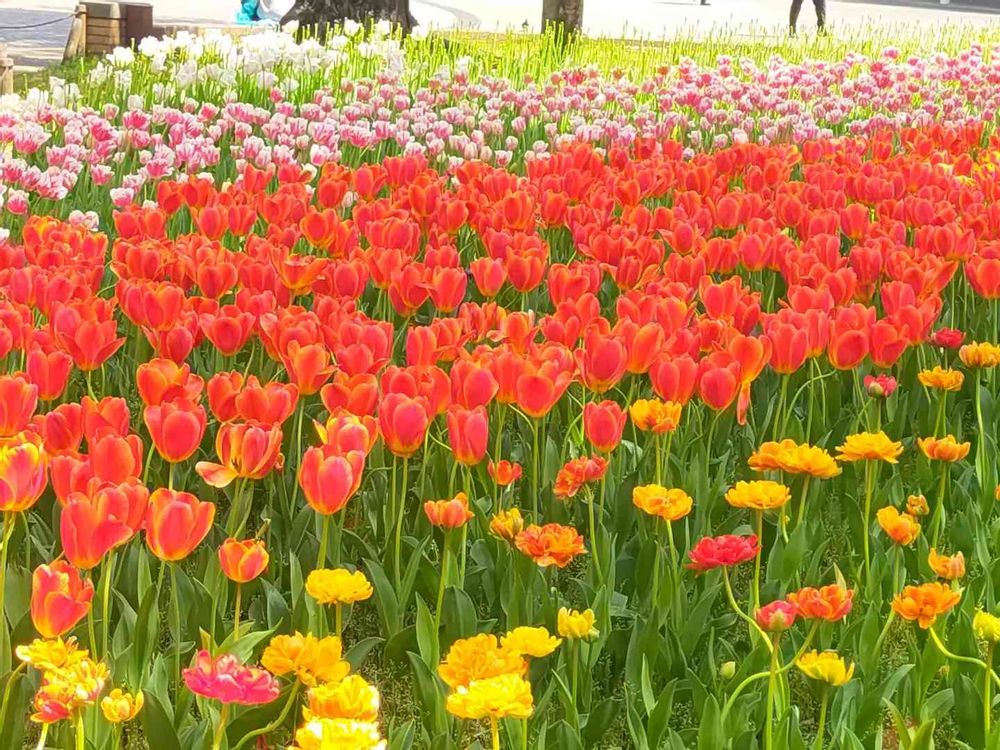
{"points": [[112, 140], [620, 442]]}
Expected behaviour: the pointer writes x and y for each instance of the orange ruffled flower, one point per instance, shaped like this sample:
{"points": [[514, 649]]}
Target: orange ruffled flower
{"points": [[576, 473], [869, 446], [507, 524], [916, 505], [478, 658], [758, 495], [942, 379], [830, 603], [794, 458], [551, 544], [925, 602], [653, 415], [949, 567], [670, 504], [902, 528], [449, 514], [943, 449], [980, 355]]}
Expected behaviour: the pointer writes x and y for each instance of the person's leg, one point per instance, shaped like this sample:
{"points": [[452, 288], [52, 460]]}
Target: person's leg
{"points": [[820, 15], [793, 15]]}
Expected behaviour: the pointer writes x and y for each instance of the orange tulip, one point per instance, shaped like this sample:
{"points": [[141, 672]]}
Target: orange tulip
{"points": [[603, 424], [18, 399], [830, 603], [504, 472], [468, 433], [449, 514], [242, 561], [902, 528], [22, 474], [403, 423], [949, 567], [943, 449], [162, 380], [176, 523], [551, 544], [59, 598], [925, 603], [176, 428], [658, 417], [248, 451], [330, 478], [90, 528]]}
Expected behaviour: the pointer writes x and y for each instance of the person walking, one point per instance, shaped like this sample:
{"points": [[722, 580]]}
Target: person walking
{"points": [[793, 16]]}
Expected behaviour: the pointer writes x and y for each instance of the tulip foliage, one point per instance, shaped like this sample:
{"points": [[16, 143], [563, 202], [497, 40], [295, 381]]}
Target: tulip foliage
{"points": [[623, 446]]}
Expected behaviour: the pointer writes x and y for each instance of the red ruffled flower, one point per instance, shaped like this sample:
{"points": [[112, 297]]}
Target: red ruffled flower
{"points": [[226, 680], [722, 551]]}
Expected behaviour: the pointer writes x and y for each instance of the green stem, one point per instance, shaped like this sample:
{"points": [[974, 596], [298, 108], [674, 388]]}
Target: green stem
{"points": [[939, 508], [108, 572], [442, 584], [220, 729], [495, 733], [883, 633], [338, 619], [43, 737], [399, 530], [963, 659], [537, 480], [593, 536], [769, 710], [869, 473], [14, 677], [987, 691], [802, 501], [8, 531], [323, 537], [81, 734], [736, 608], [237, 608], [756, 563], [574, 654], [824, 701], [175, 599]]}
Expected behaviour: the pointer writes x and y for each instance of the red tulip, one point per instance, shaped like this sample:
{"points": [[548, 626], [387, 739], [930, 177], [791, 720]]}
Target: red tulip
{"points": [[176, 523], [601, 361], [468, 433], [603, 424], [248, 451], [242, 561], [403, 423], [357, 394], [162, 380], [329, 479], [504, 472], [91, 527], [722, 551], [60, 598], [18, 400], [176, 428], [449, 514], [49, 371]]}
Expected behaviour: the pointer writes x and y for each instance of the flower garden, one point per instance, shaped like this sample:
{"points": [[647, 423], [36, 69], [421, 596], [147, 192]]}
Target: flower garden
{"points": [[424, 393]]}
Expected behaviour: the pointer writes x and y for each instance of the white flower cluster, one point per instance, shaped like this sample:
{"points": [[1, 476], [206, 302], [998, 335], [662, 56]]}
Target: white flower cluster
{"points": [[191, 65]]}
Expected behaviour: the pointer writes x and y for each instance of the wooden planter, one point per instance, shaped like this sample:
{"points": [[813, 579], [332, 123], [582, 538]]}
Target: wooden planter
{"points": [[112, 24]]}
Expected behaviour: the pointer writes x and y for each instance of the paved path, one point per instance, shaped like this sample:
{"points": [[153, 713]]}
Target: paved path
{"points": [[43, 45]]}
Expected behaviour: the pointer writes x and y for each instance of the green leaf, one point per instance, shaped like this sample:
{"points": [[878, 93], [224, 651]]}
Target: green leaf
{"points": [[357, 653], [157, 723], [459, 614], [601, 717], [385, 598], [710, 731], [401, 738], [427, 635]]}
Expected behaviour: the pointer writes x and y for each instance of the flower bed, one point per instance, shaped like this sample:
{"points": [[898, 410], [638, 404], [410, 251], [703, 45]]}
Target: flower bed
{"points": [[633, 437]]}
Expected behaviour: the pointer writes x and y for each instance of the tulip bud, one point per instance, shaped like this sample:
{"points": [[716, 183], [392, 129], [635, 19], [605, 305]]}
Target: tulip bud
{"points": [[727, 669]]}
